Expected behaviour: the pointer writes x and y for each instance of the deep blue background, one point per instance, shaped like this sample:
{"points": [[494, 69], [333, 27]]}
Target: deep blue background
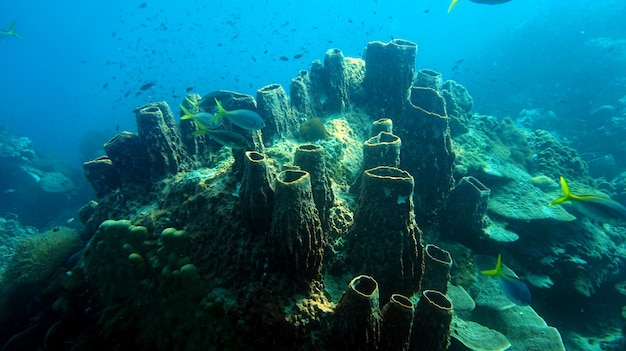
{"points": [[76, 75]]}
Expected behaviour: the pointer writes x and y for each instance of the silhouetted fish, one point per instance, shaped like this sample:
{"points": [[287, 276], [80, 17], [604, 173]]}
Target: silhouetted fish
{"points": [[147, 86]]}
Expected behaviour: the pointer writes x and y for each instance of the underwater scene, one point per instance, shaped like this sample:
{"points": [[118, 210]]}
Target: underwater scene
{"points": [[322, 176]]}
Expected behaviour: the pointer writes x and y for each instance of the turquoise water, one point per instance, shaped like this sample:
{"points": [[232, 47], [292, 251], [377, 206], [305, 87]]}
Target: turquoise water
{"points": [[81, 65]]}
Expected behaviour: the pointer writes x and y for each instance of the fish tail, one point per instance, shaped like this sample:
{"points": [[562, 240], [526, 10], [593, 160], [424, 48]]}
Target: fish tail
{"points": [[221, 111], [11, 32], [452, 5], [186, 113], [567, 195], [496, 272], [193, 104]]}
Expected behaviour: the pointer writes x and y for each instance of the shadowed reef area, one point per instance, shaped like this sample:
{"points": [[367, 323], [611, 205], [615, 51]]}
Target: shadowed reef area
{"points": [[354, 220]]}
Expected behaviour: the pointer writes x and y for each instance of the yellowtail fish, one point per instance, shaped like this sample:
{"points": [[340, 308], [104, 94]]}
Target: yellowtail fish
{"points": [[489, 2], [513, 288], [203, 119], [245, 119], [600, 208], [226, 138]]}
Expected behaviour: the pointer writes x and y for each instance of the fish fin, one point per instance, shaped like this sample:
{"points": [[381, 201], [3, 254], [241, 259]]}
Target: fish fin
{"points": [[452, 5], [193, 104], [221, 111], [186, 113], [496, 272], [200, 125], [201, 131], [567, 195]]}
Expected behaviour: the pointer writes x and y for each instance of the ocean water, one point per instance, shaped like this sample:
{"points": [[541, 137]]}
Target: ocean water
{"points": [[82, 67]]}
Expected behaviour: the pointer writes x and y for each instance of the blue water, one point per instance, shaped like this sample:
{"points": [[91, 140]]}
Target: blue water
{"points": [[81, 64]]}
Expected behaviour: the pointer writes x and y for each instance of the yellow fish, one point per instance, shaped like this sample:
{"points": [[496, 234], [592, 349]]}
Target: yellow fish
{"points": [[489, 2], [600, 208]]}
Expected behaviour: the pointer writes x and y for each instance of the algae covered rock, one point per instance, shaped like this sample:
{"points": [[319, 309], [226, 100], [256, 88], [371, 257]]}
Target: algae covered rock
{"points": [[153, 274]]}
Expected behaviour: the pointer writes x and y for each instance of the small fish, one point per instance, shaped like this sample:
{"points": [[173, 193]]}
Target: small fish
{"points": [[225, 137], [512, 287], [143, 5], [284, 58], [245, 119], [600, 208], [147, 86], [297, 56], [188, 89], [488, 2]]}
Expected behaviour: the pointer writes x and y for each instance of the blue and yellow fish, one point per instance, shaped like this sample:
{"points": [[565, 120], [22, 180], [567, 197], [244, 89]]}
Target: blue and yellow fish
{"points": [[245, 119], [489, 2], [599, 208], [202, 118], [512, 287]]}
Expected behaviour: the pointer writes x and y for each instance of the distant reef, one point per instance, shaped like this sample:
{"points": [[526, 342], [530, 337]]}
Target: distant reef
{"points": [[352, 221]]}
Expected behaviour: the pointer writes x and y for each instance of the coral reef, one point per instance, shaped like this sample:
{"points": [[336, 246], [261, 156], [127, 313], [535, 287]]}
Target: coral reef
{"points": [[36, 257], [388, 76], [313, 130], [393, 238], [397, 323], [296, 231], [381, 125], [310, 158], [34, 187], [291, 246], [437, 264], [463, 218], [256, 194], [273, 106], [356, 323], [554, 159], [427, 78], [427, 150], [431, 324]]}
